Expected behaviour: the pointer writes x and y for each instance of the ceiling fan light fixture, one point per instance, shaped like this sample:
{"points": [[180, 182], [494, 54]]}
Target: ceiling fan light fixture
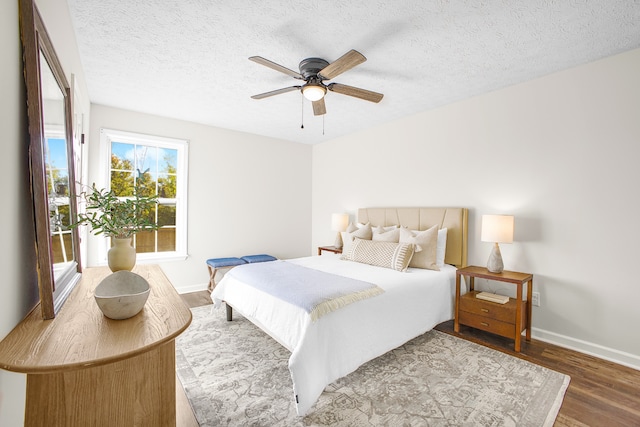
{"points": [[313, 92]]}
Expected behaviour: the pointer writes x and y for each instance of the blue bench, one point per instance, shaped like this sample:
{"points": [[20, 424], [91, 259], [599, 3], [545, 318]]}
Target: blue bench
{"points": [[213, 264], [250, 259]]}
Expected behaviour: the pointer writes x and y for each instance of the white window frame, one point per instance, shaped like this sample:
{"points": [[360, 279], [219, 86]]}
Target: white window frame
{"points": [[182, 147]]}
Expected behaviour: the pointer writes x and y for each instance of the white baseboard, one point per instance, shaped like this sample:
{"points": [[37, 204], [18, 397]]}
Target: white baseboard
{"points": [[612, 355], [193, 288]]}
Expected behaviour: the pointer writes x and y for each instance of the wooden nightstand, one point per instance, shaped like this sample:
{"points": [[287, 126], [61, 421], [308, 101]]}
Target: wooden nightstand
{"points": [[507, 320], [329, 249]]}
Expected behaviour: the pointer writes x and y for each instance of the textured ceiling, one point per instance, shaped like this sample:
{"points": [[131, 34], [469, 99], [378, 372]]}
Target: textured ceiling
{"points": [[188, 59]]}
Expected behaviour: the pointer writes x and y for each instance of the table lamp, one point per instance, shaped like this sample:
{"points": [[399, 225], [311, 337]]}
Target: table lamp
{"points": [[339, 223], [496, 229]]}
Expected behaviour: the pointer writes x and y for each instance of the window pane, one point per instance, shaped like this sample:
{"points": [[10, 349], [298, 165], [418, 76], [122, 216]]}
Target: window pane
{"points": [[61, 247], [166, 215], [64, 216], [167, 185], [122, 156], [56, 154], [168, 160], [146, 184], [122, 183], [166, 239], [149, 214], [56, 167], [146, 159], [145, 242]]}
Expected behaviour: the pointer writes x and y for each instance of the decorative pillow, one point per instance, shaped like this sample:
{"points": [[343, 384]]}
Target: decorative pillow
{"points": [[353, 232], [441, 247], [382, 254], [428, 241], [385, 228], [386, 234]]}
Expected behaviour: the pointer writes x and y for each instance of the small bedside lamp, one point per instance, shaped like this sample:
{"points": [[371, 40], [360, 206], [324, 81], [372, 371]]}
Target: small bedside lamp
{"points": [[496, 229], [339, 223]]}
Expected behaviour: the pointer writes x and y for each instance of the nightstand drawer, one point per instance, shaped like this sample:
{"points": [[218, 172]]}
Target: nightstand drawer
{"points": [[503, 312], [488, 324]]}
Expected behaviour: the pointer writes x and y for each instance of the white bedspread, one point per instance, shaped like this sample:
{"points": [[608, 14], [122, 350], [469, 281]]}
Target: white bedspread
{"points": [[338, 343]]}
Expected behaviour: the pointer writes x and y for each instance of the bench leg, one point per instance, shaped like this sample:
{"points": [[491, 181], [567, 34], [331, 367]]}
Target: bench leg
{"points": [[229, 312], [212, 275]]}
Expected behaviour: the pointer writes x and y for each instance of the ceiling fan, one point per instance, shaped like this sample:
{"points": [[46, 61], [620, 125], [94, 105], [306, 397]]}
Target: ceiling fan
{"points": [[314, 71]]}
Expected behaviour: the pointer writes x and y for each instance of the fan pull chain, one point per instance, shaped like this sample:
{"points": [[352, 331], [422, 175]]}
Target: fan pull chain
{"points": [[323, 124], [301, 111]]}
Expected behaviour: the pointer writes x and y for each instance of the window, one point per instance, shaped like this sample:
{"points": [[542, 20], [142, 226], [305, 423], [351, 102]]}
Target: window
{"points": [[57, 174], [153, 165]]}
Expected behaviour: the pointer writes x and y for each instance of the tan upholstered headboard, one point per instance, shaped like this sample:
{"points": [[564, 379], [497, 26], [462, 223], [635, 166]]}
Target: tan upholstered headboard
{"points": [[454, 219]]}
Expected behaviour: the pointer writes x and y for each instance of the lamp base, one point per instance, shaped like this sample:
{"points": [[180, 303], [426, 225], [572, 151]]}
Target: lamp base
{"points": [[338, 242], [495, 264]]}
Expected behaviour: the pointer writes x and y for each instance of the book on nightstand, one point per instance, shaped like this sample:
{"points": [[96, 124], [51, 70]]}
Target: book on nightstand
{"points": [[488, 296]]}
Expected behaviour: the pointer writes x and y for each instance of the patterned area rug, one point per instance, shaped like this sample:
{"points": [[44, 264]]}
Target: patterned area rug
{"points": [[236, 375]]}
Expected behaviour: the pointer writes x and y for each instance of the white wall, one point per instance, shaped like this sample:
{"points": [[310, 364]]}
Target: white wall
{"points": [[248, 194], [18, 264], [18, 277], [560, 153]]}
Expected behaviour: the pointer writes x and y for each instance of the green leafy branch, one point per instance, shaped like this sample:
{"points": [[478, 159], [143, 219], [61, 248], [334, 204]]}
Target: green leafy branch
{"points": [[117, 217]]}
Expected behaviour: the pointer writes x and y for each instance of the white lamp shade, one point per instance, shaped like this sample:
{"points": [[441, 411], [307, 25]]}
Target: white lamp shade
{"points": [[313, 92], [497, 228], [339, 222]]}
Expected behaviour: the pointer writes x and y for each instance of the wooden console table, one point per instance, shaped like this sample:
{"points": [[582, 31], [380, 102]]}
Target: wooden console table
{"points": [[84, 369]]}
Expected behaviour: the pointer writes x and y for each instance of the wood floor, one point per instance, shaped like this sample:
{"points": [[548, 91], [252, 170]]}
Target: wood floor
{"points": [[601, 393]]}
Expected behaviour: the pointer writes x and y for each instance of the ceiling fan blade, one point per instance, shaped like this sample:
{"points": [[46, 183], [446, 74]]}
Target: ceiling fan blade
{"points": [[367, 95], [277, 67], [342, 64], [276, 92], [319, 107]]}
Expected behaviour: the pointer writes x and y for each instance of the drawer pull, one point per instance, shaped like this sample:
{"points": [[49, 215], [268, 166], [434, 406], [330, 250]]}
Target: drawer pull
{"points": [[486, 310], [484, 324]]}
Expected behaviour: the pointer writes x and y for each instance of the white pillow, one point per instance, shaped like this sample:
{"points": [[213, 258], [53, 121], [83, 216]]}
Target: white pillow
{"points": [[352, 232], [381, 254], [386, 228], [441, 248], [386, 234], [428, 241]]}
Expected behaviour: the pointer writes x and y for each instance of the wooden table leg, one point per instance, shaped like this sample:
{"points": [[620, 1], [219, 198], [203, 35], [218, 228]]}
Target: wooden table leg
{"points": [[518, 317], [529, 305], [456, 321]]}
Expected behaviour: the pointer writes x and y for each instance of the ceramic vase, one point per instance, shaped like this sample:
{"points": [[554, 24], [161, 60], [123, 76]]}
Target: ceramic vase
{"points": [[121, 256], [495, 264]]}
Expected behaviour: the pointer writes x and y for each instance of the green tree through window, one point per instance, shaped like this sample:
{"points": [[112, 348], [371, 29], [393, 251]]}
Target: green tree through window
{"points": [[152, 166]]}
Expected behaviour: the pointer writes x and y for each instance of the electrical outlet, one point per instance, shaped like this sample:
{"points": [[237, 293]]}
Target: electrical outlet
{"points": [[535, 299]]}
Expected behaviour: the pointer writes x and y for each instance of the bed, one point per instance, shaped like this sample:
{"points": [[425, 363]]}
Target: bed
{"points": [[411, 303]]}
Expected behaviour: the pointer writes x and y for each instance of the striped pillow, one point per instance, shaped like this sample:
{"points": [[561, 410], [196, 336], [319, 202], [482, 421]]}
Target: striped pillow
{"points": [[382, 254]]}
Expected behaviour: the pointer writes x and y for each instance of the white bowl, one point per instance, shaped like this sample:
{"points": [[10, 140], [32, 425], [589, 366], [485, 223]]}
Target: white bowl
{"points": [[122, 295]]}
